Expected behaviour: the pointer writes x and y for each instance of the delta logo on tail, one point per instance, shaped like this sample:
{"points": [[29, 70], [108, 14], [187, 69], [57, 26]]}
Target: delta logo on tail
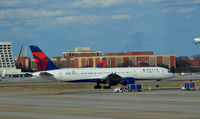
{"points": [[42, 61], [101, 63]]}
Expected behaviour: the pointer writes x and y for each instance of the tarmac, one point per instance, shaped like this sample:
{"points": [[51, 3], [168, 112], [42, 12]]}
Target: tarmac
{"points": [[99, 104]]}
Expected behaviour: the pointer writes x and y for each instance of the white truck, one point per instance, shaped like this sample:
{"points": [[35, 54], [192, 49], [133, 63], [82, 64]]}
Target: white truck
{"points": [[119, 90]]}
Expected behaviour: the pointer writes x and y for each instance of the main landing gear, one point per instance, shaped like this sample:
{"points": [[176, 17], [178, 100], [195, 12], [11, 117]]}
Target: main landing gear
{"points": [[97, 86], [107, 86]]}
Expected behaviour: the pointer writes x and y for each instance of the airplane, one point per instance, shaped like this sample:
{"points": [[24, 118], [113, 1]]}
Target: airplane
{"points": [[101, 63], [197, 40], [108, 76]]}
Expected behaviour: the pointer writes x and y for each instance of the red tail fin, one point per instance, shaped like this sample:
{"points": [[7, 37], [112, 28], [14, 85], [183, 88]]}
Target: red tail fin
{"points": [[42, 61]]}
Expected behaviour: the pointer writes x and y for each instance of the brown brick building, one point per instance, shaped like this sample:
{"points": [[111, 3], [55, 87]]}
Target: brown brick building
{"points": [[130, 59]]}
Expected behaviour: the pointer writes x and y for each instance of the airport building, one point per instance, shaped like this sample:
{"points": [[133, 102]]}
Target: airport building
{"points": [[129, 59], [7, 65], [81, 52]]}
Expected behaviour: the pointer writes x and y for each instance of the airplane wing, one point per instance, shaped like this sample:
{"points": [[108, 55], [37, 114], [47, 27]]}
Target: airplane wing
{"points": [[46, 75], [111, 79], [114, 79]]}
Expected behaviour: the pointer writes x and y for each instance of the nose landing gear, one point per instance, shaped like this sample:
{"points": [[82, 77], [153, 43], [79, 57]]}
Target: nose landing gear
{"points": [[157, 84]]}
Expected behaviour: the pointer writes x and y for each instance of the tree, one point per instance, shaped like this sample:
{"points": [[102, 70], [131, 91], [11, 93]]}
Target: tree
{"points": [[182, 57], [144, 64], [172, 69], [182, 63], [197, 56], [163, 65]]}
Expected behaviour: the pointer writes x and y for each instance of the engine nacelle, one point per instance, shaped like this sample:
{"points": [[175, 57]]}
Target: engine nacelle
{"points": [[128, 80]]}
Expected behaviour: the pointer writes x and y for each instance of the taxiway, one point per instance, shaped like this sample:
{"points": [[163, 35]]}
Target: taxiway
{"points": [[99, 104]]}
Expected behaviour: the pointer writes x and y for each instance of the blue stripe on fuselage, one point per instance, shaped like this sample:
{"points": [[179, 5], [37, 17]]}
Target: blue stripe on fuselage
{"points": [[86, 80]]}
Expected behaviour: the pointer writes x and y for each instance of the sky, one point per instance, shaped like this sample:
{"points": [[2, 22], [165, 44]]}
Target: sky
{"points": [[111, 26]]}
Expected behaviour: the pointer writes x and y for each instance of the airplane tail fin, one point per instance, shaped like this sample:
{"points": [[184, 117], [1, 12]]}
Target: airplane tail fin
{"points": [[101, 63], [42, 61]]}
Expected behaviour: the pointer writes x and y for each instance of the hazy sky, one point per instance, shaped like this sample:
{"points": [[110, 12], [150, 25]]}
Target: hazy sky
{"points": [[162, 26]]}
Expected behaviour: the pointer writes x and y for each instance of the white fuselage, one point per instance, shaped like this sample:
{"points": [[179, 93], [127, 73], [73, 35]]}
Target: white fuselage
{"points": [[138, 73]]}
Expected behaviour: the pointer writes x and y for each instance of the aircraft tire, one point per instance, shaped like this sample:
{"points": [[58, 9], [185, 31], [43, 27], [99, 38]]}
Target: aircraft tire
{"points": [[97, 87]]}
